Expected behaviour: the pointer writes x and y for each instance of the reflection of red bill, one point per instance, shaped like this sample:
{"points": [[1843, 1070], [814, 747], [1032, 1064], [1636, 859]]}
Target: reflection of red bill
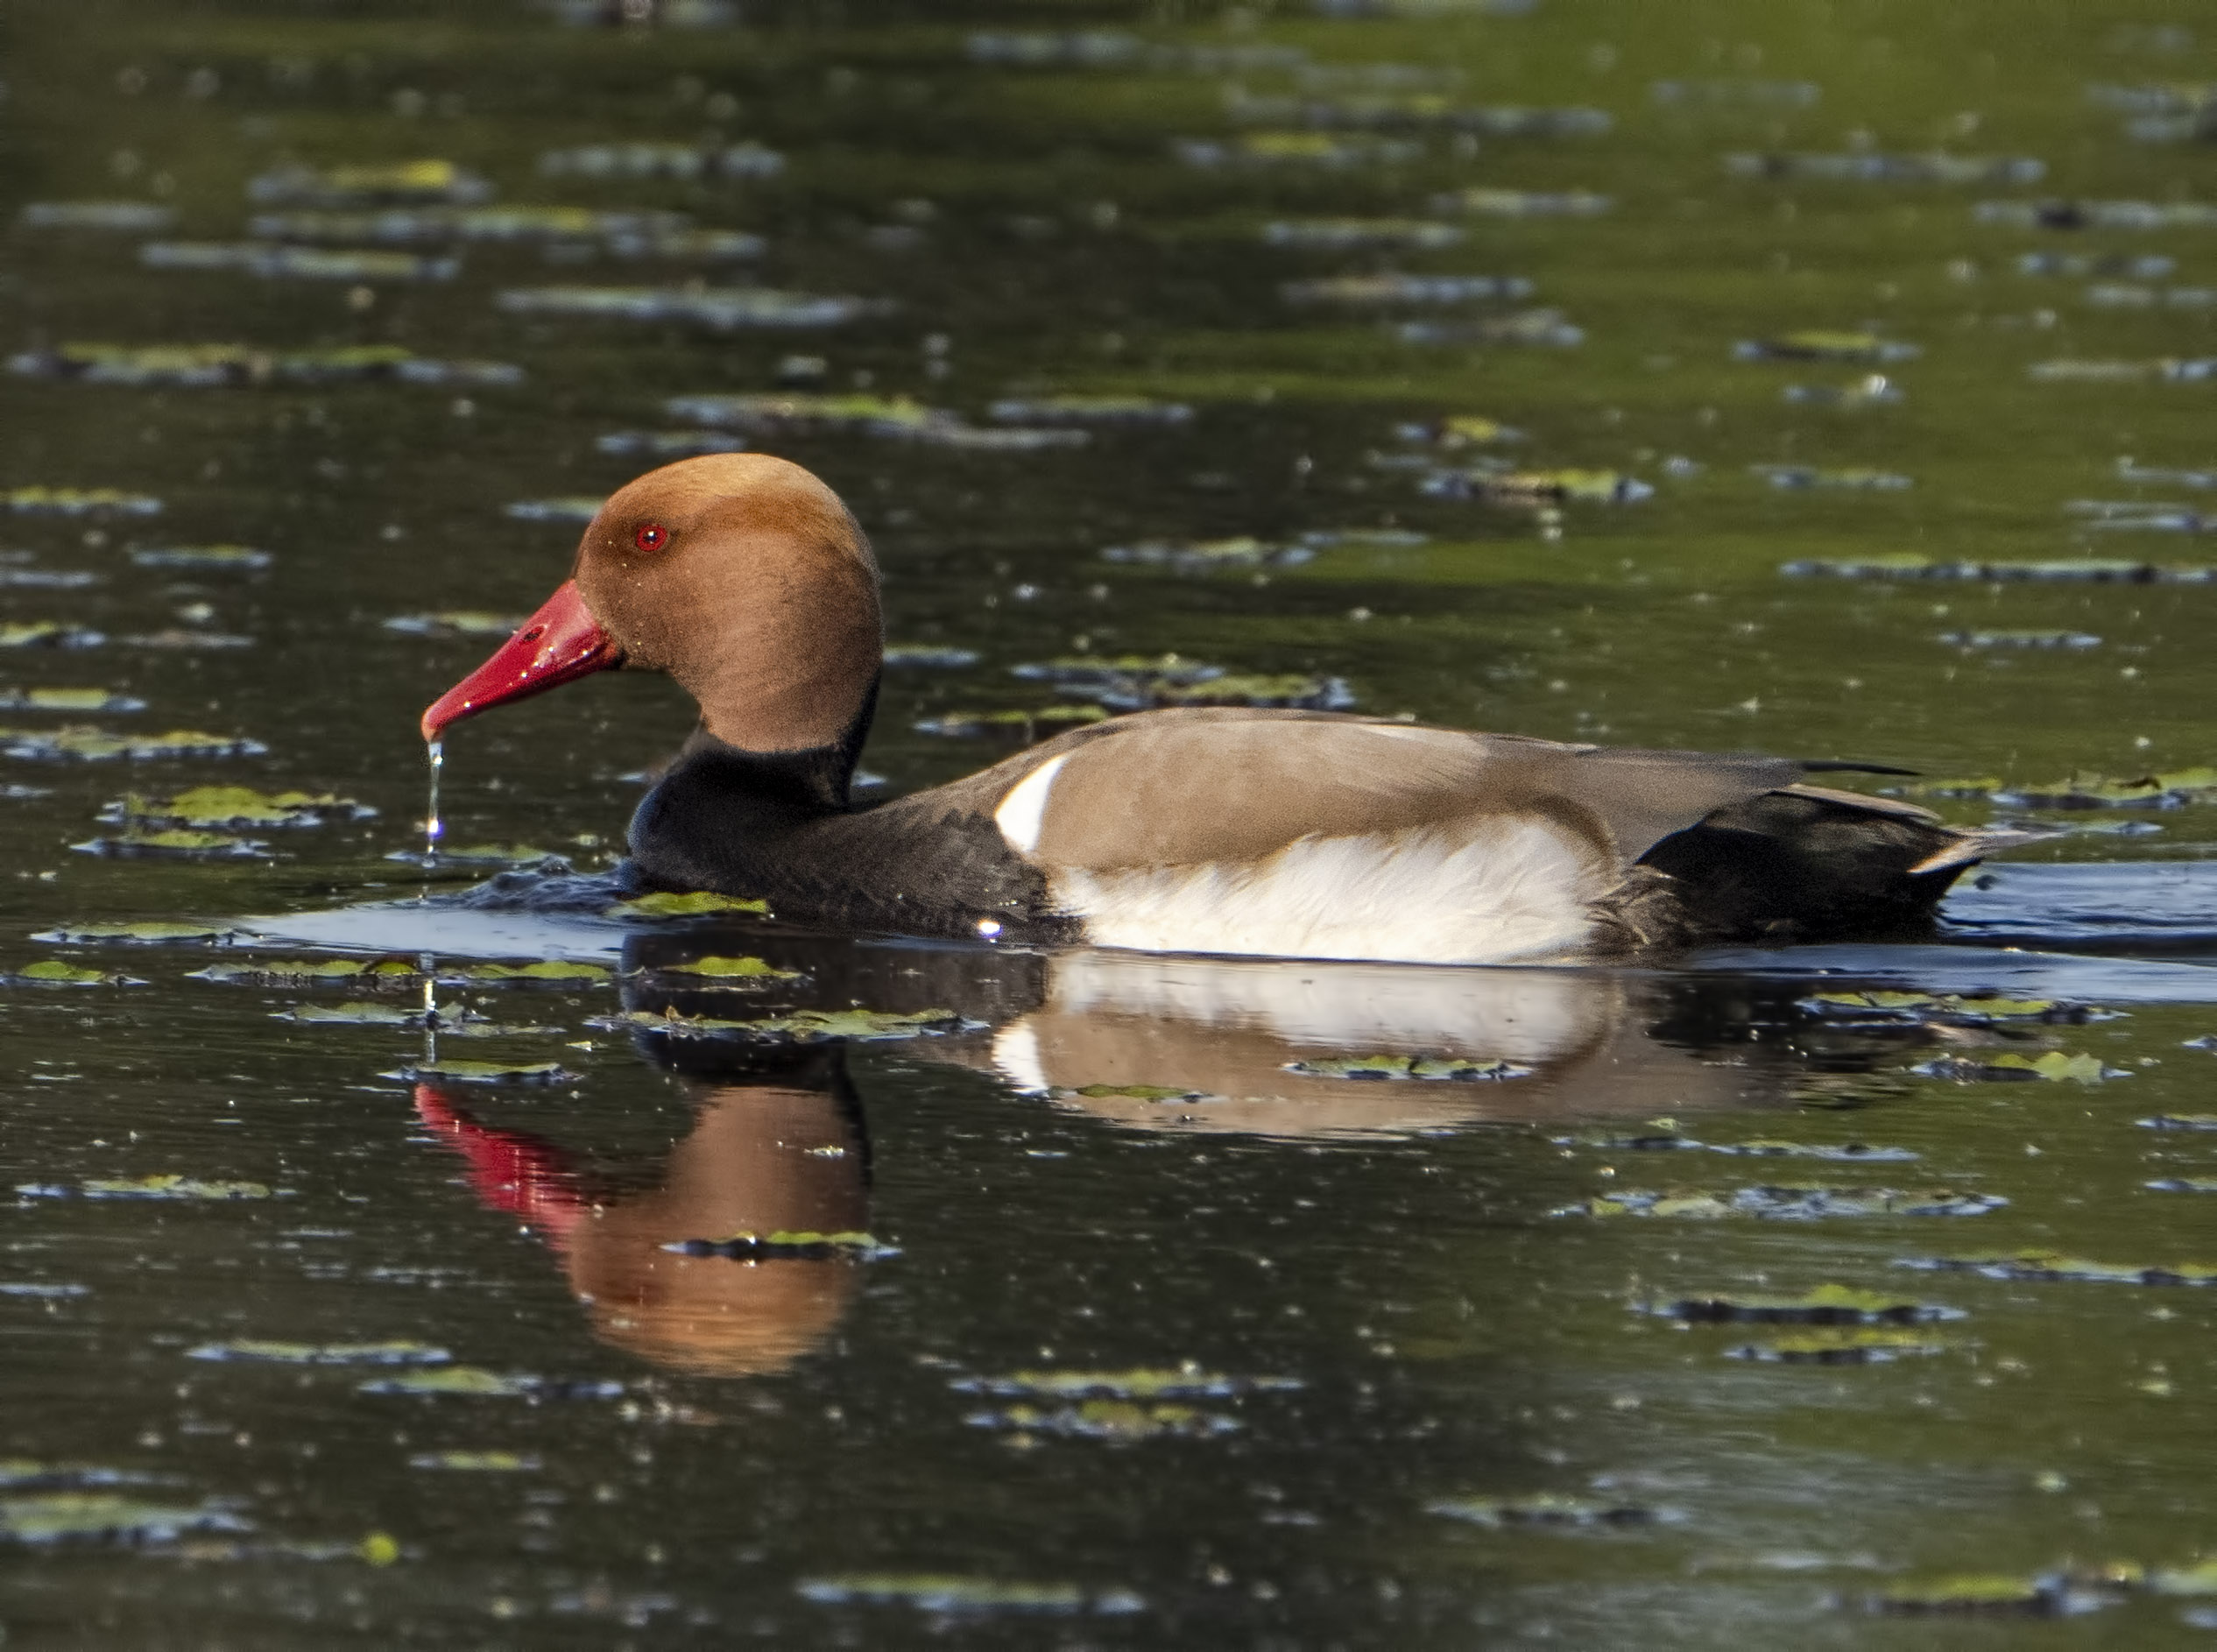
{"points": [[559, 643], [509, 1171]]}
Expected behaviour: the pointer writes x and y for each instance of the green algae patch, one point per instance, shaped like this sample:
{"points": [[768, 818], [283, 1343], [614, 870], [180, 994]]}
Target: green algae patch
{"points": [[1132, 1092], [2044, 1267], [1546, 1511], [2055, 1067], [469, 1381], [1945, 1008], [1118, 1421], [950, 1596], [1823, 1305], [545, 973], [723, 970], [1529, 489], [2197, 1578], [1437, 1069], [2173, 789], [254, 1351], [476, 1461], [484, 1072], [147, 932], [1841, 1153], [90, 702], [812, 1027], [1293, 689], [47, 633], [456, 622], [1024, 722], [234, 807], [351, 1014], [54, 972], [65, 1517], [667, 906], [1170, 1382], [297, 972], [175, 1187], [1786, 1203], [1852, 1347], [788, 1244], [175, 843], [75, 502], [88, 745], [1088, 410], [667, 1023], [202, 559], [1818, 344]]}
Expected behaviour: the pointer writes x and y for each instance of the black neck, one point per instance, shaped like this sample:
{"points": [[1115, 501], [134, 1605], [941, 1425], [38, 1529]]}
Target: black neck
{"points": [[812, 781]]}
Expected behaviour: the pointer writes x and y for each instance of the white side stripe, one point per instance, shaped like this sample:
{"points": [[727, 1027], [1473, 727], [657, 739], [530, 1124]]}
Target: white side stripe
{"points": [[1023, 812]]}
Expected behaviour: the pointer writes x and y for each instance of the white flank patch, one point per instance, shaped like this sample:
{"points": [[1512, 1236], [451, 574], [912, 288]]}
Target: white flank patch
{"points": [[1503, 890], [1023, 812]]}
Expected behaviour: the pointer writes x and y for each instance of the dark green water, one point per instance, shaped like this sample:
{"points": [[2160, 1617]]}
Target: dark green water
{"points": [[1155, 1340]]}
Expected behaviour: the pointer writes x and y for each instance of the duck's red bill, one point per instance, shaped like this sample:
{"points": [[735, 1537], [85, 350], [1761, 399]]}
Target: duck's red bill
{"points": [[559, 643]]}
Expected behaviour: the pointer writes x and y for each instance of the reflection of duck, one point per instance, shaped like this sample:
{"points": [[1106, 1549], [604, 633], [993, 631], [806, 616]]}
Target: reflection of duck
{"points": [[1218, 830], [783, 1152]]}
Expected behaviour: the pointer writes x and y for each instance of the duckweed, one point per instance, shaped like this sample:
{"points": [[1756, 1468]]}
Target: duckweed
{"points": [[1437, 1069], [1852, 1347], [1786, 1203], [157, 1187], [236, 806], [1187, 1382], [1823, 1305], [253, 1350], [98, 745], [273, 261], [466, 1381], [54, 972], [723, 308], [722, 970], [807, 1026], [787, 1245], [1121, 1421], [354, 185], [1816, 344], [203, 366], [174, 844], [950, 1596], [93, 701], [64, 1517], [1531, 488], [476, 1461], [67, 502], [666, 906], [355, 973], [907, 656], [496, 224], [47, 633], [2045, 1265], [1195, 556], [1545, 1510]]}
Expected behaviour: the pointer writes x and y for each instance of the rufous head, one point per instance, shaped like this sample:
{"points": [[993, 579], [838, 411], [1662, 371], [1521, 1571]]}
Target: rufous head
{"points": [[740, 574]]}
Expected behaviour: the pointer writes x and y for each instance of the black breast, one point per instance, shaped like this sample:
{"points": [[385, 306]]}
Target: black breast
{"points": [[774, 825]]}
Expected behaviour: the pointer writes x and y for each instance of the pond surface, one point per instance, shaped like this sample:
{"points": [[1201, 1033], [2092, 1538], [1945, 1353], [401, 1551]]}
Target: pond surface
{"points": [[1827, 378]]}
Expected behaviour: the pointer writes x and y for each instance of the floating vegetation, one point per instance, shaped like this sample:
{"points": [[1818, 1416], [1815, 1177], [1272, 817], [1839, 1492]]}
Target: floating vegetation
{"points": [[683, 161], [1121, 1421], [484, 1072], [65, 1517], [1839, 1347], [1358, 235], [97, 746], [354, 1014], [665, 445], [1981, 1594], [1758, 1147], [2059, 570], [906, 656], [495, 224], [1818, 345], [124, 218], [946, 1596], [667, 244], [1542, 326], [456, 622], [253, 1350], [1534, 488], [787, 1245], [1088, 410], [174, 844], [801, 1026], [184, 1188], [1382, 291], [407, 183], [724, 308], [205, 366], [665, 906], [1200, 556], [49, 579], [54, 972], [471, 1381], [545, 972], [47, 633], [575, 509], [1785, 1203], [1874, 166], [2096, 215], [2043, 1266], [1525, 204], [2179, 1121], [1025, 722], [2168, 369], [2175, 789], [176, 640], [1297, 148], [274, 261], [788, 412], [1826, 1305], [2055, 1067], [142, 932], [77, 502], [1096, 671], [300, 972], [724, 972], [1887, 1007], [1547, 1511], [1433, 1069], [202, 559], [79, 700], [236, 808], [1281, 690], [1187, 1382], [1849, 478], [2029, 639], [476, 1461]]}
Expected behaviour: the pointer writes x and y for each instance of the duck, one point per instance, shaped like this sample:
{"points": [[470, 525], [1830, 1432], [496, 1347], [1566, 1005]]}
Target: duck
{"points": [[1224, 830]]}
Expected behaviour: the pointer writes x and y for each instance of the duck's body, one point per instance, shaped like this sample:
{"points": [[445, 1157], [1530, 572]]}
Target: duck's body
{"points": [[1279, 833]]}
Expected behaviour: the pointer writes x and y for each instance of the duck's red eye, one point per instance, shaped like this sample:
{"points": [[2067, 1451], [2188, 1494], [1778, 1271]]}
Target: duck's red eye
{"points": [[652, 536]]}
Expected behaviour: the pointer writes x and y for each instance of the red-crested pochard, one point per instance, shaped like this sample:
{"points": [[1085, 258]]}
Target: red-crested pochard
{"points": [[1295, 834]]}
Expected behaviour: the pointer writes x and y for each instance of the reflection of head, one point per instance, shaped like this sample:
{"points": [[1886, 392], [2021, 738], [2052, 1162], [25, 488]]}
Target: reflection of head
{"points": [[761, 1158]]}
